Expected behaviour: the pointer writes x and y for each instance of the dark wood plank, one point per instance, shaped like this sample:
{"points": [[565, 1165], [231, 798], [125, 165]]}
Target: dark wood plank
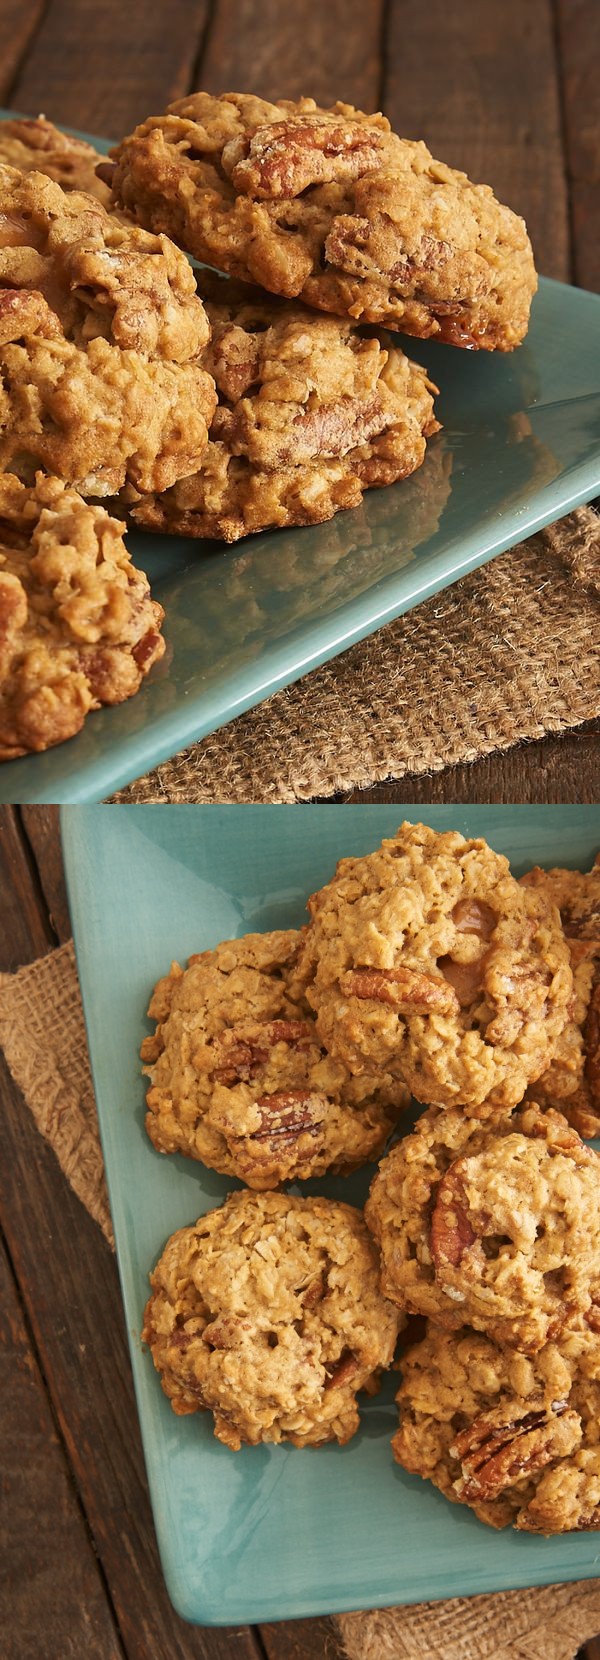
{"points": [[51, 1586], [42, 831], [105, 67], [565, 767], [329, 51], [302, 1640], [479, 84], [26, 931], [579, 42], [19, 20]]}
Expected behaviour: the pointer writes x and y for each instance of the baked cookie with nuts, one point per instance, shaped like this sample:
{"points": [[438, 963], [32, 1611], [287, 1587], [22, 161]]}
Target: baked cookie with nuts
{"points": [[240, 1080], [311, 413], [267, 1313], [429, 959], [38, 146], [496, 1226], [517, 1439], [78, 626], [331, 207], [101, 335], [572, 1081]]}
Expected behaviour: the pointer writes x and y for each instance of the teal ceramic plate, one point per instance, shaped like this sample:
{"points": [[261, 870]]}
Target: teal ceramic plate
{"points": [[520, 446], [269, 1532]]}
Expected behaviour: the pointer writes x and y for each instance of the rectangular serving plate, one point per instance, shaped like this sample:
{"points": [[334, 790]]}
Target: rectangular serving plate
{"points": [[270, 1532], [520, 447]]}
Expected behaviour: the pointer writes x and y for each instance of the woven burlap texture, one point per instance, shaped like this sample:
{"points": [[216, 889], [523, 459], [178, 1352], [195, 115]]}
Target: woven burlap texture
{"points": [[510, 652], [42, 1034]]}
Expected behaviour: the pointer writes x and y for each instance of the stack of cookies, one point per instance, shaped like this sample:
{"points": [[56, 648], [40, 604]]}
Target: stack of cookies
{"points": [[206, 406], [427, 969]]}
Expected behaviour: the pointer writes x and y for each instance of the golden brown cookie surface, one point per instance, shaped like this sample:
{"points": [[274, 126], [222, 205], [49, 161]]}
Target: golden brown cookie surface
{"points": [[311, 412], [572, 1081], [515, 1438], [427, 957], [100, 335], [239, 1079], [497, 1226], [332, 207], [78, 627], [38, 146], [267, 1313]]}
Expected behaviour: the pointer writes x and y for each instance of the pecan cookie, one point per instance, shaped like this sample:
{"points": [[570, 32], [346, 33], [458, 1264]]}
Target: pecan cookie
{"points": [[516, 1439], [78, 627], [240, 1080], [39, 146], [427, 957], [267, 1313], [311, 412], [100, 334], [572, 1081], [495, 1225], [332, 207]]}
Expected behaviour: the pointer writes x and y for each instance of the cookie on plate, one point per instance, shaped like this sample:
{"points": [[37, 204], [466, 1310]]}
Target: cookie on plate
{"points": [[496, 1225], [517, 1439], [572, 1081], [240, 1080], [267, 1313], [428, 958], [311, 412], [78, 626], [332, 207], [38, 146], [101, 331]]}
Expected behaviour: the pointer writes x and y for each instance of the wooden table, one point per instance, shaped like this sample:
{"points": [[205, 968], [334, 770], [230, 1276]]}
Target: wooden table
{"points": [[508, 90]]}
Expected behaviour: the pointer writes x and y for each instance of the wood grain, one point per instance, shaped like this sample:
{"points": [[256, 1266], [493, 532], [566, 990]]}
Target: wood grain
{"points": [[479, 83], [104, 67], [26, 931], [579, 41], [331, 51], [50, 1581], [19, 20], [41, 828], [565, 768]]}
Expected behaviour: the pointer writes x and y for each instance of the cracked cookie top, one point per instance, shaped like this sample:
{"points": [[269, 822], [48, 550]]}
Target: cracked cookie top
{"points": [[311, 412], [572, 1080], [78, 627], [428, 958], [496, 1225], [101, 331], [332, 207], [240, 1080], [515, 1438], [267, 1313]]}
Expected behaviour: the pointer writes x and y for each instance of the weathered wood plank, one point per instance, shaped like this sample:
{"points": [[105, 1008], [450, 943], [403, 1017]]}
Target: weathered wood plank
{"points": [[19, 20], [51, 1589], [479, 84], [42, 831], [579, 42], [302, 1640], [104, 68], [561, 768], [25, 930], [330, 51]]}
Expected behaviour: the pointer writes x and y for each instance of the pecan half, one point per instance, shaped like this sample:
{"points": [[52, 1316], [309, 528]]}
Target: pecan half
{"points": [[451, 1230], [285, 157], [402, 988], [288, 1112], [512, 1441]]}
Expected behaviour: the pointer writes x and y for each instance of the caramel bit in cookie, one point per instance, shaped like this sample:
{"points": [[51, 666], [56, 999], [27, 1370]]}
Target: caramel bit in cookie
{"points": [[240, 1080], [331, 207], [268, 1314], [78, 627]]}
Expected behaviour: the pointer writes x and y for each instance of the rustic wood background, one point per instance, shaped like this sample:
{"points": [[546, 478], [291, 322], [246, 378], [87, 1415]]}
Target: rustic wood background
{"points": [[507, 89]]}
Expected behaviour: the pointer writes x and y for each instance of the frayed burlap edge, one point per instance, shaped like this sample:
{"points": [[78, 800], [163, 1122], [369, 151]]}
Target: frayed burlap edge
{"points": [[42, 1034], [508, 653]]}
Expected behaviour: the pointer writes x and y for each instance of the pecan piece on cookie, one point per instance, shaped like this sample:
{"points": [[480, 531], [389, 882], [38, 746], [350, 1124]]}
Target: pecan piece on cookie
{"points": [[509, 1442]]}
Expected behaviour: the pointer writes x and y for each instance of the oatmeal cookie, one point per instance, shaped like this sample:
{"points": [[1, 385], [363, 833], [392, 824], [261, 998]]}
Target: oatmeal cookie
{"points": [[78, 627], [515, 1438], [428, 958], [311, 412], [496, 1225], [267, 1313], [332, 207], [101, 335], [39, 146], [240, 1080], [572, 1081]]}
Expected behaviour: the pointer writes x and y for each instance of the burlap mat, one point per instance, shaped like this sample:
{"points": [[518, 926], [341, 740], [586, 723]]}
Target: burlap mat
{"points": [[508, 653], [42, 1034]]}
